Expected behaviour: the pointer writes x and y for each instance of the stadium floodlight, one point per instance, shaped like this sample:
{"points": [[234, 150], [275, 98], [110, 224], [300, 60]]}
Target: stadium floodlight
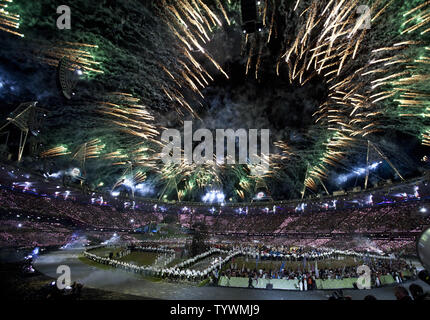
{"points": [[67, 76], [214, 196]]}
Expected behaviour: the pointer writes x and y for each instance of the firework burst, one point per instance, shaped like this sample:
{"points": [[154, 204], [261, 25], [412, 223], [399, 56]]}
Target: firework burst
{"points": [[374, 82]]}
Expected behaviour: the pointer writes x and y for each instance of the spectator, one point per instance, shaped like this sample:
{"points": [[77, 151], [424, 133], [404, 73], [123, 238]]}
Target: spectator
{"points": [[417, 292], [250, 280], [402, 294]]}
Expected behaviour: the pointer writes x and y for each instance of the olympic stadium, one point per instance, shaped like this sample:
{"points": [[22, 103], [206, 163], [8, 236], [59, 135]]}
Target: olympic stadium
{"points": [[215, 150]]}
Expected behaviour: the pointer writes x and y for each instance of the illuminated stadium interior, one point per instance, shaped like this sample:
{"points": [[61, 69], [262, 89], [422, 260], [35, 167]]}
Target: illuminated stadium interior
{"points": [[305, 170]]}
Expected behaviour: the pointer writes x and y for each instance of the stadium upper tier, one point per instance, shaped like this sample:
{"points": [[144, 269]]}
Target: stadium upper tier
{"points": [[401, 218], [30, 205], [22, 179]]}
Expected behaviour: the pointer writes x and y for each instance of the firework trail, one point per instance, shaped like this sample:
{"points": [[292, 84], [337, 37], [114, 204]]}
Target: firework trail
{"points": [[9, 22], [192, 22], [79, 55], [55, 152]]}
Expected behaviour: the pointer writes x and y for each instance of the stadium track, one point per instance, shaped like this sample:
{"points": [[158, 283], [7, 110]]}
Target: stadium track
{"points": [[127, 283]]}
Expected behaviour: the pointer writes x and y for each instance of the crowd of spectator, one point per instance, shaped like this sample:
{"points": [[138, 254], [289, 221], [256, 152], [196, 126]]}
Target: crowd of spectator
{"points": [[51, 221], [401, 217], [417, 293], [29, 234], [80, 214], [357, 244], [400, 270]]}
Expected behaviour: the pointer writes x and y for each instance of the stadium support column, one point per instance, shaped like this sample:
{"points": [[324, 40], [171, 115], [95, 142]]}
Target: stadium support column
{"points": [[381, 155], [322, 183], [171, 180], [22, 140], [81, 155], [127, 171], [367, 165], [133, 181], [176, 187], [304, 182], [164, 190], [27, 118]]}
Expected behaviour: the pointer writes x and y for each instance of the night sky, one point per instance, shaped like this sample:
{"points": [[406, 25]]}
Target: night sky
{"points": [[134, 42]]}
